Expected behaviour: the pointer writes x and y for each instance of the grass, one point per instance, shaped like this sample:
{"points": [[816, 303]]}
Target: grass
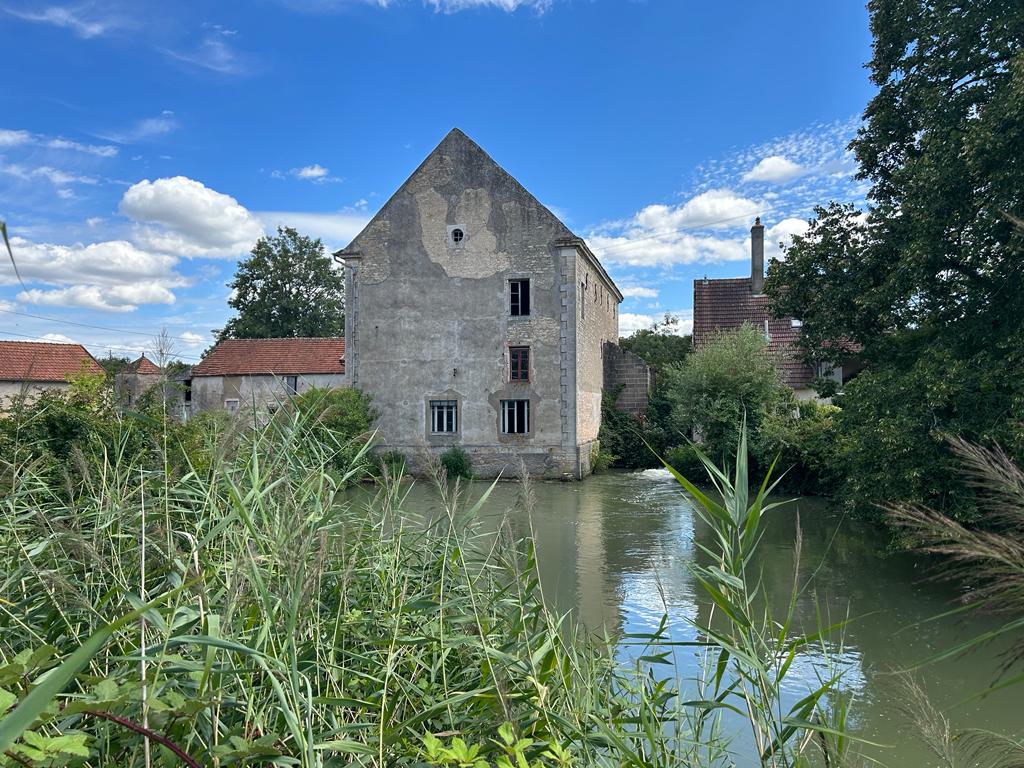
{"points": [[284, 623]]}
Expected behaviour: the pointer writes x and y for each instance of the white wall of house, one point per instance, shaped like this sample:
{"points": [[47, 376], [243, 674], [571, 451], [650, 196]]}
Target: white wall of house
{"points": [[31, 389], [244, 393]]}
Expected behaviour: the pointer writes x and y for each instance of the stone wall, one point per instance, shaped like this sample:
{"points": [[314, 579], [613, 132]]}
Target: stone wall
{"points": [[626, 374], [428, 318], [210, 393], [597, 325]]}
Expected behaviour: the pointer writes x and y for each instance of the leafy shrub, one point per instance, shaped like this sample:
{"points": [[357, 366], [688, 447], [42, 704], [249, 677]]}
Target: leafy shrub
{"points": [[456, 463], [808, 446], [685, 460], [627, 438], [600, 460], [342, 418], [719, 385]]}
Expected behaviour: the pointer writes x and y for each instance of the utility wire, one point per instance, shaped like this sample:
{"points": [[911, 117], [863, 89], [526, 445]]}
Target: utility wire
{"points": [[89, 325], [104, 346]]}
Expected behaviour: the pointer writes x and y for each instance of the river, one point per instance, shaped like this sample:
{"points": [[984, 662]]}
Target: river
{"points": [[615, 548]]}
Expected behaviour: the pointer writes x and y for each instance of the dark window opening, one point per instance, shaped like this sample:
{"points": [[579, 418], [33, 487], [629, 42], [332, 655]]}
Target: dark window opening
{"points": [[444, 416], [515, 417], [519, 363], [291, 385], [457, 235], [519, 293], [188, 390]]}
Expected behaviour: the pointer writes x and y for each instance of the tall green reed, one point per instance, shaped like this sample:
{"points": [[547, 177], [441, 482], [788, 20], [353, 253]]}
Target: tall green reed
{"points": [[298, 623]]}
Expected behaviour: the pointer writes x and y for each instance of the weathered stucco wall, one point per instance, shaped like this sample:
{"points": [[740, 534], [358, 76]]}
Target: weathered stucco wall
{"points": [[597, 323], [428, 316], [30, 390], [210, 392], [129, 387]]}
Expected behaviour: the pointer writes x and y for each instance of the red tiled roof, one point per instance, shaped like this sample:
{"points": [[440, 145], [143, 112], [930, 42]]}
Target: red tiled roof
{"points": [[143, 366], [43, 361], [273, 357], [724, 305]]}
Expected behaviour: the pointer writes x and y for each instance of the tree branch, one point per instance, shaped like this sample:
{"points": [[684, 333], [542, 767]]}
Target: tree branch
{"points": [[133, 726]]}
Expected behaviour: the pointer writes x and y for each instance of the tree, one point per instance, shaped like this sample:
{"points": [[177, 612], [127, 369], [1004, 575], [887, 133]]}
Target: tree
{"points": [[928, 282], [659, 346], [287, 287], [719, 383]]}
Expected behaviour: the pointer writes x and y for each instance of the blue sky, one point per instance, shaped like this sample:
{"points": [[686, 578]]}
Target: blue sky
{"points": [[144, 146]]}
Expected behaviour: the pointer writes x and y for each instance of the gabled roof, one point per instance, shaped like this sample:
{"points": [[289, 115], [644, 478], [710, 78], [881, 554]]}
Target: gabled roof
{"points": [[471, 163], [43, 361], [273, 357], [725, 305], [143, 366]]}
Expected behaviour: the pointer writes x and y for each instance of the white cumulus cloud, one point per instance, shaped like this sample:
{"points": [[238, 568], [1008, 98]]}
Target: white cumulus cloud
{"points": [[182, 216], [117, 298], [336, 229], [639, 292], [9, 138], [314, 171], [775, 168]]}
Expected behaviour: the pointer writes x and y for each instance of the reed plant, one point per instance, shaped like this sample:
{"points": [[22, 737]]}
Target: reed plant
{"points": [[255, 611]]}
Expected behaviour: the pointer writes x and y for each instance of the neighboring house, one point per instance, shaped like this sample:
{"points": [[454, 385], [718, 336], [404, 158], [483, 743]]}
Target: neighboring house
{"points": [[136, 378], [474, 317], [247, 374], [724, 305], [31, 367]]}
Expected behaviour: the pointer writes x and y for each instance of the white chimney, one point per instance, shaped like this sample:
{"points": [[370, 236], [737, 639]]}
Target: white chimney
{"points": [[757, 257]]}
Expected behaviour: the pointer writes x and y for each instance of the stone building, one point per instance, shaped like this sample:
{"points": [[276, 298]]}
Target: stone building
{"points": [[136, 379], [727, 304], [474, 317], [258, 374], [28, 368]]}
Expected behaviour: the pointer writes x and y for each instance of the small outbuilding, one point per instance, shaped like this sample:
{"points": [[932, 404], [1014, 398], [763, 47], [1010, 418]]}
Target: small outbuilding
{"points": [[28, 368], [258, 374]]}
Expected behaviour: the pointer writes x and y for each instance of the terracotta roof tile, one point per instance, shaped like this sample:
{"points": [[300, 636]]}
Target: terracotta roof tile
{"points": [[143, 366], [724, 305], [43, 361], [273, 357]]}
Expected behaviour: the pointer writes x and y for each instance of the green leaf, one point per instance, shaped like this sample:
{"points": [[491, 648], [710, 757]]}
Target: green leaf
{"points": [[18, 721]]}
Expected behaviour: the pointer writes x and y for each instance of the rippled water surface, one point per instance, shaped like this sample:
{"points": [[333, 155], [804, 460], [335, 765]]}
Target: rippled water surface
{"points": [[614, 549]]}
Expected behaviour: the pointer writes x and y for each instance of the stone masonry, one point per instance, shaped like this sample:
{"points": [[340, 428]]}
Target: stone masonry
{"points": [[433, 320], [628, 377]]}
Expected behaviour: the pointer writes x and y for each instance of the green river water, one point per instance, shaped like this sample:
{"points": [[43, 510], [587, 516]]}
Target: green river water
{"points": [[614, 549]]}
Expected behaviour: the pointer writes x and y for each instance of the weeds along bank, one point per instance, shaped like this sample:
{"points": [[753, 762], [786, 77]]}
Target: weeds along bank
{"points": [[285, 625]]}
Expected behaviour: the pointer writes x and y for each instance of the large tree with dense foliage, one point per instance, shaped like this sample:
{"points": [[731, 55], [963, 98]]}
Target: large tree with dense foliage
{"points": [[659, 346], [287, 287], [930, 280]]}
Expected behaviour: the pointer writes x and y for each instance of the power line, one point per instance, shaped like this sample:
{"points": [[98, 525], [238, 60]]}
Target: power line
{"points": [[89, 325], [136, 350]]}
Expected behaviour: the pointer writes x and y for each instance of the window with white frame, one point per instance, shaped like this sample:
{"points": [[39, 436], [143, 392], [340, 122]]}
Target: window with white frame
{"points": [[231, 405], [444, 416], [515, 417]]}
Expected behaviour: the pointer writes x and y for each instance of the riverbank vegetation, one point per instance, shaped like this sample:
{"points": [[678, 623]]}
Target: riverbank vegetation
{"points": [[267, 616], [922, 279]]}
